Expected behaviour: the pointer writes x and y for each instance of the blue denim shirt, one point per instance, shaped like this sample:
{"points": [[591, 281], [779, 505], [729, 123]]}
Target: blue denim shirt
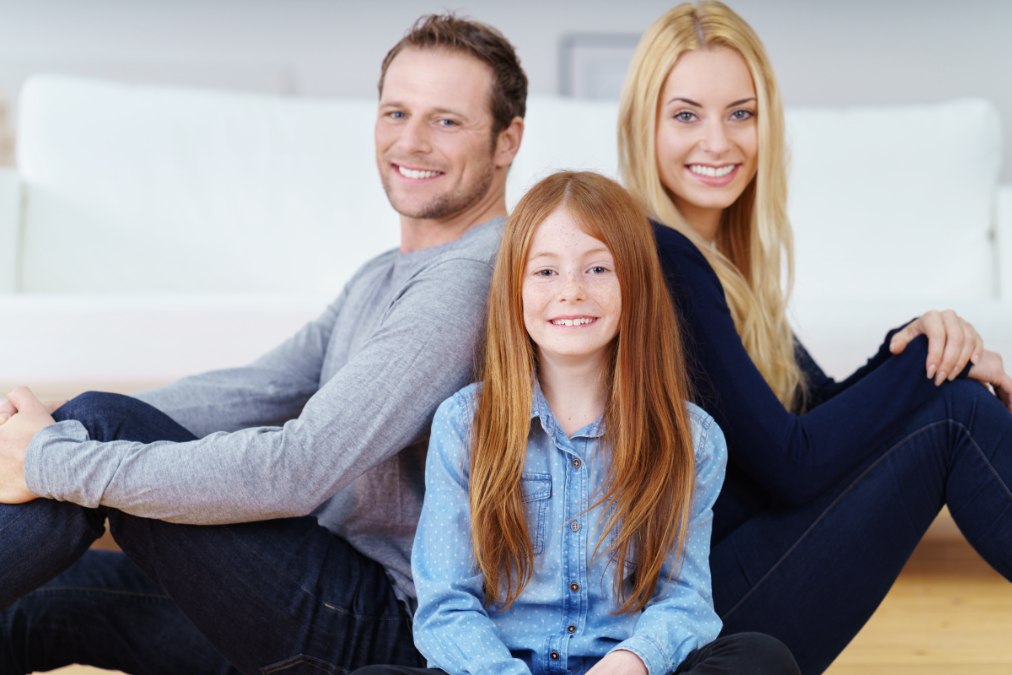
{"points": [[564, 620]]}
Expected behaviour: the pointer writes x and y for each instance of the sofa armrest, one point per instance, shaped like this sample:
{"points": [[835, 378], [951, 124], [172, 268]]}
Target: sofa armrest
{"points": [[1003, 235], [10, 219]]}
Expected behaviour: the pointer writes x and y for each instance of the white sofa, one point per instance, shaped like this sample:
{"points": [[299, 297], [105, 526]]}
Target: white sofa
{"points": [[148, 232]]}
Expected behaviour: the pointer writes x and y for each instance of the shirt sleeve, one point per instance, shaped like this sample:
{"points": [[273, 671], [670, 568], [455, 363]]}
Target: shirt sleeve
{"points": [[793, 456], [378, 403], [268, 392], [680, 617], [451, 628]]}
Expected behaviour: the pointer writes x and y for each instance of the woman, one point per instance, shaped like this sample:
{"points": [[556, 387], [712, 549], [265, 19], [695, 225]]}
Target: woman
{"points": [[543, 545], [830, 484]]}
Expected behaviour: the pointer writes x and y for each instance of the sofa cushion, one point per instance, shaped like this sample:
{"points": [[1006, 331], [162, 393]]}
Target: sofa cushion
{"points": [[895, 200], [171, 189]]}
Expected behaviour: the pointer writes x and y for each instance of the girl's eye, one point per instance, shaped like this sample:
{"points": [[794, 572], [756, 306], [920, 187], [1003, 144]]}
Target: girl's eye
{"points": [[544, 273], [685, 116], [598, 269]]}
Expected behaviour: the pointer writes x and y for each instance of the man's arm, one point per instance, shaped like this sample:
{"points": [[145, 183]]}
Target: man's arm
{"points": [[377, 404]]}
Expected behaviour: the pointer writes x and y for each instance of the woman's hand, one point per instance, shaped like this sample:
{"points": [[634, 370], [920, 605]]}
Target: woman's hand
{"points": [[952, 343], [619, 662], [990, 370]]}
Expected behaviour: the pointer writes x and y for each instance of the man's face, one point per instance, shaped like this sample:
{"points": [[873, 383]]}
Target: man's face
{"points": [[434, 146]]}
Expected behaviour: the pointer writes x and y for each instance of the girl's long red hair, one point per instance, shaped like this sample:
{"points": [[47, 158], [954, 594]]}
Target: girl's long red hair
{"points": [[650, 481]]}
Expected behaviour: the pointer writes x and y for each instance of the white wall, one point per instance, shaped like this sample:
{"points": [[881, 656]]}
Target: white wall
{"points": [[825, 52]]}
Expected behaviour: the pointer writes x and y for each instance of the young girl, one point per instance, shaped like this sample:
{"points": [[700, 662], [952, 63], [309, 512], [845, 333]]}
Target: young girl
{"points": [[830, 485], [568, 498]]}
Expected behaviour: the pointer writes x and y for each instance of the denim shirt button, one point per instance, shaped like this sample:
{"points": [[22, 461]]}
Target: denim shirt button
{"points": [[574, 526], [570, 629], [574, 587], [554, 656], [577, 464]]}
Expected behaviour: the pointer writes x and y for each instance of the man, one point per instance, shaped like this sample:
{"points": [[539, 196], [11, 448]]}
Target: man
{"points": [[332, 423]]}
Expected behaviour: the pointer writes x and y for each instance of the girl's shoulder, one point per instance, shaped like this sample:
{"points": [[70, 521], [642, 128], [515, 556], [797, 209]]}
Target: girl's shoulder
{"points": [[457, 411], [707, 436]]}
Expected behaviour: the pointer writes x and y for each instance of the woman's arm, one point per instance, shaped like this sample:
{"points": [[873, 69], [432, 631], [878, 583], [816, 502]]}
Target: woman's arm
{"points": [[452, 629], [794, 457]]}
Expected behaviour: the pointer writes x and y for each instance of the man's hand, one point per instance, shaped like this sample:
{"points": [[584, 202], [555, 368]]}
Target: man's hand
{"points": [[29, 415], [952, 343], [619, 662], [7, 408]]}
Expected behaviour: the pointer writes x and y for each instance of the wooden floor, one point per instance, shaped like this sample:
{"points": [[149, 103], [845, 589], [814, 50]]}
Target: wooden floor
{"points": [[948, 613]]}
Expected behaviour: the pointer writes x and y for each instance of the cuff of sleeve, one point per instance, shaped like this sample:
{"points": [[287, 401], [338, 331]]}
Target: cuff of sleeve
{"points": [[649, 652], [44, 473]]}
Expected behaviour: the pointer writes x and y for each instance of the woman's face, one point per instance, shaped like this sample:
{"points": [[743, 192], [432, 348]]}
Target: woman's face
{"points": [[571, 293], [707, 138]]}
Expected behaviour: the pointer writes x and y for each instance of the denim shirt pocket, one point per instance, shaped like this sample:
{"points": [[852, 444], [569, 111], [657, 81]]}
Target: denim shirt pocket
{"points": [[537, 491]]}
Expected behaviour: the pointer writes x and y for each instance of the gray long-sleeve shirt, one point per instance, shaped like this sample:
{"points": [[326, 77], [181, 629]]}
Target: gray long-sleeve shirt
{"points": [[333, 421]]}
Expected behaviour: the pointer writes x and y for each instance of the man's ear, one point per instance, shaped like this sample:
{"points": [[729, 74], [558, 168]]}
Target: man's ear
{"points": [[508, 142]]}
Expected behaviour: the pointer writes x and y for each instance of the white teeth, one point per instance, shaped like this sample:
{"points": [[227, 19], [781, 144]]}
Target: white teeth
{"points": [[711, 172], [571, 322], [416, 173]]}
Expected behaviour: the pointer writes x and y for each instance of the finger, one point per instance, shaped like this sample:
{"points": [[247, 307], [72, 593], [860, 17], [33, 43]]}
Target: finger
{"points": [[903, 336], [978, 348], [25, 401], [953, 327], [7, 408], [934, 329], [966, 353]]}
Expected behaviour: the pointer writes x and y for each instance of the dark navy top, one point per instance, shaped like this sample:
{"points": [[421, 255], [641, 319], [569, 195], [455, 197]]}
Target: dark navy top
{"points": [[778, 458]]}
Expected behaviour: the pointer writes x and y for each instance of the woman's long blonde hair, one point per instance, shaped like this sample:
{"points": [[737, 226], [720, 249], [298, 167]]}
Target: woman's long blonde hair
{"points": [[754, 242], [650, 480]]}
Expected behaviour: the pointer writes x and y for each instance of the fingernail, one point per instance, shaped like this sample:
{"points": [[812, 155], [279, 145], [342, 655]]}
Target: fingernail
{"points": [[931, 371], [940, 378]]}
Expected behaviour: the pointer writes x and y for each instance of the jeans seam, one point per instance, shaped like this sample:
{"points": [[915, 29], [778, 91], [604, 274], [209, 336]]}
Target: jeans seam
{"points": [[858, 479]]}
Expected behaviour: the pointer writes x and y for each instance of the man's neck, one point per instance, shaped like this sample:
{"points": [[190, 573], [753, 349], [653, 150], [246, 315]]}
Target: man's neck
{"points": [[421, 233]]}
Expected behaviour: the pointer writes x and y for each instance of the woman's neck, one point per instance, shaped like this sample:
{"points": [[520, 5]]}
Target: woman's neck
{"points": [[705, 222], [577, 392]]}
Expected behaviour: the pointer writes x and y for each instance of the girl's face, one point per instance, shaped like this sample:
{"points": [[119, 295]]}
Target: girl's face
{"points": [[571, 294], [707, 138]]}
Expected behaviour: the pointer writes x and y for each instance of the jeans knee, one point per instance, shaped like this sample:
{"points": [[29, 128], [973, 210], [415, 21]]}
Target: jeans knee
{"points": [[96, 405], [766, 655]]}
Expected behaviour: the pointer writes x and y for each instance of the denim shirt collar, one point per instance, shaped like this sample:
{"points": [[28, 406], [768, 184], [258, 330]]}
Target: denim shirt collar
{"points": [[541, 410]]}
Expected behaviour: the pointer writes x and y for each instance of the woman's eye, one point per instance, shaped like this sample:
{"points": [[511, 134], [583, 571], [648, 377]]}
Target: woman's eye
{"points": [[742, 115], [685, 116]]}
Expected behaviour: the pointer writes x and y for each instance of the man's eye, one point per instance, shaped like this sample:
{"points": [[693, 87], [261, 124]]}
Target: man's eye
{"points": [[447, 123], [396, 115]]}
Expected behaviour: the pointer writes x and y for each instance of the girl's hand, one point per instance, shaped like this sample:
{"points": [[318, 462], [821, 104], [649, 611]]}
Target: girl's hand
{"points": [[990, 370], [619, 662], [952, 343]]}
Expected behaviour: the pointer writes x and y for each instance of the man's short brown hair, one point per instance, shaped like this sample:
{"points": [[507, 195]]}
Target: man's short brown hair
{"points": [[483, 42]]}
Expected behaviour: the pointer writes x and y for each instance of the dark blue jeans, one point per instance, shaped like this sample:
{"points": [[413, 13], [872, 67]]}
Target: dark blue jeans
{"points": [[812, 576], [280, 596]]}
